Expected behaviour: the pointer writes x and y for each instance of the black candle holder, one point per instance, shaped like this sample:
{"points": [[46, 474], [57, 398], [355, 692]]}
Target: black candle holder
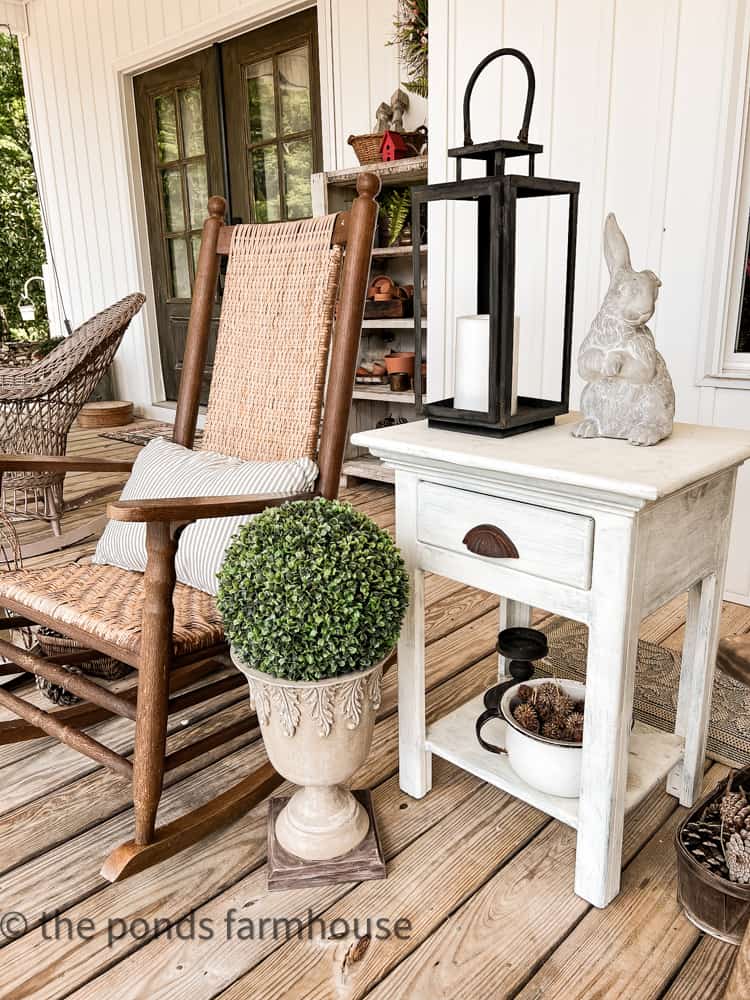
{"points": [[522, 646]]}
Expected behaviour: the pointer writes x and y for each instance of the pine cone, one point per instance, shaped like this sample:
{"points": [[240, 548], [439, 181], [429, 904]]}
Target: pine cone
{"points": [[554, 727], [545, 699], [525, 693], [712, 810], [526, 717], [734, 809], [738, 860], [574, 727], [564, 705]]}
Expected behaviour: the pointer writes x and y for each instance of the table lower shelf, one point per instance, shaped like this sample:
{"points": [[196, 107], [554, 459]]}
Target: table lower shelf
{"points": [[652, 755]]}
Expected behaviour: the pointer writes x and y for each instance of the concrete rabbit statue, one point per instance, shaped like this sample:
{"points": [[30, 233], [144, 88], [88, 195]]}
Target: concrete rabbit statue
{"points": [[629, 393]]}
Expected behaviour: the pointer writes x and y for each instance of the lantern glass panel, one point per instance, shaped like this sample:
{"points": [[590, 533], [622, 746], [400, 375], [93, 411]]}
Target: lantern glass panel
{"points": [[539, 306]]}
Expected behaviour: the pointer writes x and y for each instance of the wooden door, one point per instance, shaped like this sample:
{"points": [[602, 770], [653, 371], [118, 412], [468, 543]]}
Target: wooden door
{"points": [[241, 119], [272, 101], [182, 160]]}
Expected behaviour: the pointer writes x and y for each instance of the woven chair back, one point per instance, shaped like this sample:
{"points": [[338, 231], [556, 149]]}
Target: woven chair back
{"points": [[277, 313], [39, 402]]}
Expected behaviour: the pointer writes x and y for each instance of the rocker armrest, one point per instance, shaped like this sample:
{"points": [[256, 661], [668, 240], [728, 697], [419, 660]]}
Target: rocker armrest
{"points": [[62, 463], [189, 509]]}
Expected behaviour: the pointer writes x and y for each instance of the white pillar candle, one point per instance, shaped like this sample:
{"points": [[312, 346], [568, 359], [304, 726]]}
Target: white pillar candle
{"points": [[471, 385], [472, 364]]}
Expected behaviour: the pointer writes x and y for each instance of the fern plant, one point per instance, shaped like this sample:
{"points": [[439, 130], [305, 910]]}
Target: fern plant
{"points": [[395, 210]]}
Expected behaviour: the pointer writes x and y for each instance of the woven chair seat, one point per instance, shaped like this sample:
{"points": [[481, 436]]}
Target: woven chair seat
{"points": [[107, 604]]}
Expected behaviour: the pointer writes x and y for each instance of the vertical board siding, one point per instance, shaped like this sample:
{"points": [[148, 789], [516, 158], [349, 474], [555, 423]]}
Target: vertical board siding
{"points": [[71, 60], [366, 70], [626, 102], [631, 100]]}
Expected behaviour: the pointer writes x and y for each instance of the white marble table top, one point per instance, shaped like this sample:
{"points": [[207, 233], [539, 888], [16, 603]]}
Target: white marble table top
{"points": [[552, 454]]}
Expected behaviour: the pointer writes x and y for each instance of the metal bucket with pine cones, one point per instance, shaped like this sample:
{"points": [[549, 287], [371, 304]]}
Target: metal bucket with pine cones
{"points": [[713, 860]]}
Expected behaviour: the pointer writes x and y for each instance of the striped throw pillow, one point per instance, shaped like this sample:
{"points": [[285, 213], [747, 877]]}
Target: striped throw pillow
{"points": [[167, 470]]}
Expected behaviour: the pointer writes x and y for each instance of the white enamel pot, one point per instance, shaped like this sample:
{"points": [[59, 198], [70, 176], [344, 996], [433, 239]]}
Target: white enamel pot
{"points": [[551, 766]]}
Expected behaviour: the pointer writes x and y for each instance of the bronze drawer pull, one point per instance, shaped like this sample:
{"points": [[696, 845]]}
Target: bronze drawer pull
{"points": [[487, 540]]}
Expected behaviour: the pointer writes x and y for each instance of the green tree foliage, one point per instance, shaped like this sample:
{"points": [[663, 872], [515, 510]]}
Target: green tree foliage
{"points": [[21, 241]]}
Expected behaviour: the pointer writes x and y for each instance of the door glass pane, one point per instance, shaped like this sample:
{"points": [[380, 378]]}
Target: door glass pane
{"points": [[197, 184], [174, 212], [191, 113], [166, 128], [260, 101], [297, 160], [196, 241], [266, 201], [178, 263], [294, 91]]}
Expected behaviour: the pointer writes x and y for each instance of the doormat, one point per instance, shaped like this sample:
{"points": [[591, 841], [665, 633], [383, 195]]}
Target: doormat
{"points": [[657, 679], [143, 433]]}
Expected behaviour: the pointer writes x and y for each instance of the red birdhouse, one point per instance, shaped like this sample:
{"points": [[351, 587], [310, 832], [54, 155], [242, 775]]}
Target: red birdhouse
{"points": [[394, 147]]}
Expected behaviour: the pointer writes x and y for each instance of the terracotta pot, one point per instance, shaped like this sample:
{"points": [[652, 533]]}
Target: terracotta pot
{"points": [[317, 734], [400, 361]]}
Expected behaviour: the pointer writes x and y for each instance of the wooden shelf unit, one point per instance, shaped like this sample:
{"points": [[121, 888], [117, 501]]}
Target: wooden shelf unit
{"points": [[399, 251], [334, 191], [390, 324], [383, 394]]}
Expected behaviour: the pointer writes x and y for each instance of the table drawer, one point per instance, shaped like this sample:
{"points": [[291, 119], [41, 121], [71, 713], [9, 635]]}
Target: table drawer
{"points": [[553, 544]]}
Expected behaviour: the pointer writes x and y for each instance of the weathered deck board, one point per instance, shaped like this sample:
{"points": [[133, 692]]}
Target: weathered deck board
{"points": [[491, 945], [638, 943], [36, 966], [463, 851], [177, 970], [705, 974], [485, 880]]}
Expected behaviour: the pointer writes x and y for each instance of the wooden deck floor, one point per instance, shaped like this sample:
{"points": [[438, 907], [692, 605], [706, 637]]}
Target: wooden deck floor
{"points": [[484, 882]]}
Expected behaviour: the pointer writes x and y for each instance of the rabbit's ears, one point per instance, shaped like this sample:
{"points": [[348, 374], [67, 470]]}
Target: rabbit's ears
{"points": [[616, 252]]}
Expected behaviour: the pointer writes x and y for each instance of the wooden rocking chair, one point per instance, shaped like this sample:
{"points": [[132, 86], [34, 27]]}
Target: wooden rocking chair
{"points": [[266, 401]]}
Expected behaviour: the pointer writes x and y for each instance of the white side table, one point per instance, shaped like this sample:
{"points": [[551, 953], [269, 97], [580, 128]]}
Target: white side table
{"points": [[606, 533]]}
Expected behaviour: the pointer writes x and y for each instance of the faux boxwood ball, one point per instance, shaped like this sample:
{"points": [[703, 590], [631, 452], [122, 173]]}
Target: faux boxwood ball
{"points": [[310, 590]]}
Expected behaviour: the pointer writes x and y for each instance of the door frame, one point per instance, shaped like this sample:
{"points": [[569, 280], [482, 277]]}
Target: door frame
{"points": [[255, 14]]}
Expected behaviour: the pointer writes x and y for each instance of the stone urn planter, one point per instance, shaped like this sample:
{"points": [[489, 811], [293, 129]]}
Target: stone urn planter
{"points": [[312, 595], [317, 734]]}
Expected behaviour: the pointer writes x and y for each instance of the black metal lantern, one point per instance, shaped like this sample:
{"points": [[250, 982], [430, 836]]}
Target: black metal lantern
{"points": [[499, 410]]}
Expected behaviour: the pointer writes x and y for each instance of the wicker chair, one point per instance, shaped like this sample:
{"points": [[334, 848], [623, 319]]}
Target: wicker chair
{"points": [[38, 404], [272, 374]]}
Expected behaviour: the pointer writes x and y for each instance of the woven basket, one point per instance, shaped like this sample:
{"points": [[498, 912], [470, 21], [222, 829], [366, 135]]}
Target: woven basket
{"points": [[57, 694], [367, 147], [105, 667]]}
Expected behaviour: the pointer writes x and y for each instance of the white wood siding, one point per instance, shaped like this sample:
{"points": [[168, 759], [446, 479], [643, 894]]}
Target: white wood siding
{"points": [[632, 100], [13, 16], [78, 59]]}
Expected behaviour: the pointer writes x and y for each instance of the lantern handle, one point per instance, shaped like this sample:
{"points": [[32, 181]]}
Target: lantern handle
{"points": [[523, 135]]}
